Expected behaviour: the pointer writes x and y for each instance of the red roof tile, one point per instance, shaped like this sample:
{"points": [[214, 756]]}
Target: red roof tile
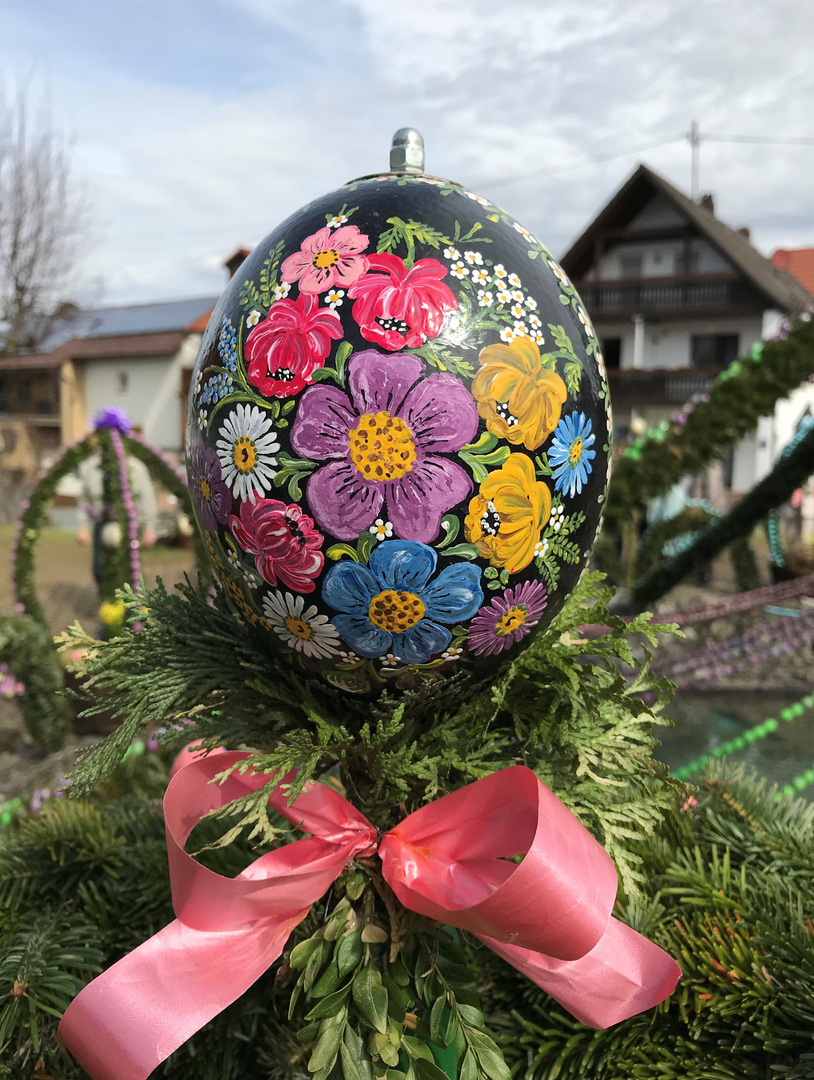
{"points": [[799, 262]]}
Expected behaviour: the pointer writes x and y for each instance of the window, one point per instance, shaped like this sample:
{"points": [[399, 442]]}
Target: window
{"points": [[3, 394], [630, 266], [713, 350], [24, 391], [612, 351], [121, 382], [686, 262]]}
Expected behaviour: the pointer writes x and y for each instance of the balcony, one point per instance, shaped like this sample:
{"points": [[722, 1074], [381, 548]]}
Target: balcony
{"points": [[635, 388], [679, 295]]}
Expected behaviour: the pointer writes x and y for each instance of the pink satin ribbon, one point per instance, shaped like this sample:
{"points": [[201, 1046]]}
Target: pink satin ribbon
{"points": [[549, 916]]}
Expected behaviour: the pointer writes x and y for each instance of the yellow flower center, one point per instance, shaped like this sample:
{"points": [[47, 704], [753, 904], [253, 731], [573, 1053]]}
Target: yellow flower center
{"points": [[382, 447], [299, 628], [206, 490], [511, 621], [324, 260], [575, 453], [395, 611], [244, 454]]}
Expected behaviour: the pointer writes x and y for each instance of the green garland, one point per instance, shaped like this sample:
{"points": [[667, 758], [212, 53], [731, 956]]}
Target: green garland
{"points": [[26, 646], [748, 389], [788, 474]]}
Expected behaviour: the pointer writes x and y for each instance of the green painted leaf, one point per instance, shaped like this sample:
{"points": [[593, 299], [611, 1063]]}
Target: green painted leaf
{"points": [[465, 551], [341, 358], [450, 526], [336, 551], [364, 545], [324, 373]]}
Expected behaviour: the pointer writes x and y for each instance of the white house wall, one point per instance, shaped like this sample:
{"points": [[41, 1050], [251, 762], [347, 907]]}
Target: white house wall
{"points": [[151, 397], [668, 344]]}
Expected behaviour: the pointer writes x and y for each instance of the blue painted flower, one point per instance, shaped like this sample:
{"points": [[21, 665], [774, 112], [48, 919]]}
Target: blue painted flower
{"points": [[391, 606], [227, 344], [569, 454]]}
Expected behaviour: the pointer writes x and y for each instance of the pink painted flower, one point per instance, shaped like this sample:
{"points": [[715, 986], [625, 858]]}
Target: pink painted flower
{"points": [[283, 540], [385, 444], [284, 350], [329, 257], [508, 619], [399, 308]]}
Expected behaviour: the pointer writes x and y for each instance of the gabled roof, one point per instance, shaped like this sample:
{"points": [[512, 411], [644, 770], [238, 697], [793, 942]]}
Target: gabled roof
{"points": [[127, 330], [780, 288], [799, 262]]}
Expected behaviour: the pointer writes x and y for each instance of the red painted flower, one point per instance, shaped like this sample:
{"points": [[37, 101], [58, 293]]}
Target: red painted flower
{"points": [[284, 350], [327, 258], [283, 540], [400, 308]]}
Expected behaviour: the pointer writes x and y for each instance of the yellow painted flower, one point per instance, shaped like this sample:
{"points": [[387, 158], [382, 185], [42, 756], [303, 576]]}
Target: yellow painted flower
{"points": [[508, 514], [519, 399]]}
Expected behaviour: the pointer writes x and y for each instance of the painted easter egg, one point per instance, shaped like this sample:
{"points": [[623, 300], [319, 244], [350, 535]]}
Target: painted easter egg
{"points": [[398, 435]]}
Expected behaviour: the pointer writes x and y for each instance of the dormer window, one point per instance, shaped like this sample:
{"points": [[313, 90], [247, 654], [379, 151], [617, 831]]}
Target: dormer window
{"points": [[630, 266]]}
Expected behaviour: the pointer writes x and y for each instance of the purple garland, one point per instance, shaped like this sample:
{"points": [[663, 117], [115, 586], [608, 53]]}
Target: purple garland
{"points": [[129, 507], [160, 454]]}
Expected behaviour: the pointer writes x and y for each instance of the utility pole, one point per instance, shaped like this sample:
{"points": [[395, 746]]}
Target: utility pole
{"points": [[694, 139]]}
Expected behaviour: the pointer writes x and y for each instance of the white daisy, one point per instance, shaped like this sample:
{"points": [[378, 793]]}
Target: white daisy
{"points": [[504, 296], [234, 561], [253, 318], [485, 298], [559, 273], [458, 270], [507, 334], [523, 232], [451, 253], [452, 653], [349, 657], [514, 280], [517, 296], [202, 415], [246, 448], [520, 328], [534, 321], [336, 221], [557, 515], [334, 298], [198, 381], [390, 660], [476, 198], [586, 322], [251, 579], [531, 303], [600, 363], [382, 530], [474, 258], [538, 337], [500, 272], [282, 290], [518, 311], [541, 549], [480, 276], [303, 628]]}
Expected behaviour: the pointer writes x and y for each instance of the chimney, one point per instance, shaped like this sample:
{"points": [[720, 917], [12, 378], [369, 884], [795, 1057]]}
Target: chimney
{"points": [[707, 202], [745, 232], [234, 262]]}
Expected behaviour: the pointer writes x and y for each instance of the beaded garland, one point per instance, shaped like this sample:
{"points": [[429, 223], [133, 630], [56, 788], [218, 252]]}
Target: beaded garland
{"points": [[398, 435]]}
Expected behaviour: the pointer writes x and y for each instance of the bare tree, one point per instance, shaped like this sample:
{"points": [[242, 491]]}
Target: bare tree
{"points": [[42, 220]]}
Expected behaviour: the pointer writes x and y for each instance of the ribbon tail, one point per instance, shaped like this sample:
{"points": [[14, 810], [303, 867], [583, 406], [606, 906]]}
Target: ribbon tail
{"points": [[135, 1014], [622, 975]]}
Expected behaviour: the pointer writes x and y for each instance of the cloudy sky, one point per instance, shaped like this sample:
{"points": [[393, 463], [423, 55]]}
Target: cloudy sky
{"points": [[198, 125]]}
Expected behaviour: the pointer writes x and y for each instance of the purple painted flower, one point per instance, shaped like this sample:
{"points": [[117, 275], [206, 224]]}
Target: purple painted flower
{"points": [[112, 417], [508, 619], [213, 500], [384, 444]]}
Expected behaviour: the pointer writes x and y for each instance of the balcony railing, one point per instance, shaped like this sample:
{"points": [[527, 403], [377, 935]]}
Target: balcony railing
{"points": [[689, 294], [632, 388]]}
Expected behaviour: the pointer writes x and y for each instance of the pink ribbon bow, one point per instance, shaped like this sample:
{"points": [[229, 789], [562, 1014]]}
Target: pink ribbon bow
{"points": [[549, 916]]}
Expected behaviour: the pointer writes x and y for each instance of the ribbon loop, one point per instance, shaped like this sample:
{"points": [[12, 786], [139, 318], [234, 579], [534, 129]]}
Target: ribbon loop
{"points": [[453, 860]]}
